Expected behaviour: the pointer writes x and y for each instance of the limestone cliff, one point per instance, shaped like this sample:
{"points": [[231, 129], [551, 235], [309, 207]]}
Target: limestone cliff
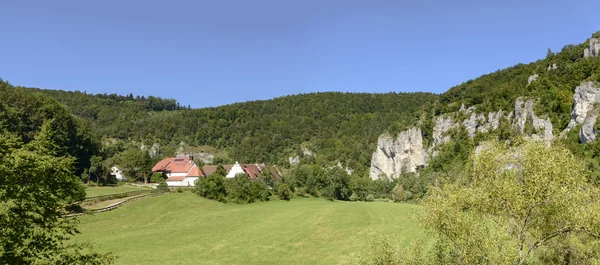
{"points": [[406, 152], [585, 112], [400, 155], [593, 50]]}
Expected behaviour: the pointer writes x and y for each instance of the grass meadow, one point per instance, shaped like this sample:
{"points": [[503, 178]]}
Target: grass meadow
{"points": [[183, 228]]}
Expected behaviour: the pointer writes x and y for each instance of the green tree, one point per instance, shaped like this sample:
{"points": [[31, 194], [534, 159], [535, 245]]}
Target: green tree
{"points": [[239, 190], [515, 202], [136, 164], [212, 187], [35, 184]]}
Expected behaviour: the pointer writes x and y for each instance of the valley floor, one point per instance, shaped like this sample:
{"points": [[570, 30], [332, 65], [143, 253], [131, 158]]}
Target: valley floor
{"points": [[183, 228]]}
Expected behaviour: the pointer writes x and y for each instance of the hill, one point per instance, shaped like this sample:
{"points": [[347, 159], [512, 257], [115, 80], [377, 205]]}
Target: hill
{"points": [[337, 127], [554, 99]]}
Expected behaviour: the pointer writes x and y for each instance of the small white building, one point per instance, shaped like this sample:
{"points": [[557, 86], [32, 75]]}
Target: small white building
{"points": [[117, 173]]}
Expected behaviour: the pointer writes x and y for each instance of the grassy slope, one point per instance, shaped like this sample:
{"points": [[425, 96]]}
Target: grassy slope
{"points": [[186, 229], [99, 191]]}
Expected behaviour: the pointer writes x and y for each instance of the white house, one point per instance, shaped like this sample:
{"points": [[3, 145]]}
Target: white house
{"points": [[118, 173], [179, 171]]}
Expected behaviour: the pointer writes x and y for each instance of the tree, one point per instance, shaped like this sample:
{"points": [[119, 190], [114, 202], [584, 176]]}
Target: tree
{"points": [[212, 187], [35, 184], [339, 184], [136, 163], [238, 189], [220, 171], [515, 202]]}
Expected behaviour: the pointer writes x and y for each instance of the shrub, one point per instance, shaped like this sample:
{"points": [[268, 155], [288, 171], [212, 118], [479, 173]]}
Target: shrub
{"points": [[212, 187], [179, 189], [370, 198], [398, 193], [354, 197], [156, 178], [408, 195], [259, 191], [238, 189], [381, 251], [283, 191], [162, 187]]}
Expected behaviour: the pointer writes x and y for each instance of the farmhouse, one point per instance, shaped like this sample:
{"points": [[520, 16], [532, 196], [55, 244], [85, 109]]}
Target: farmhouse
{"points": [[179, 171], [182, 171]]}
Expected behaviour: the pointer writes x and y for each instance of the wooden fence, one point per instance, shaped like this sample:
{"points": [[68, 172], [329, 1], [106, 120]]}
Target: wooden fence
{"points": [[115, 205], [115, 196]]}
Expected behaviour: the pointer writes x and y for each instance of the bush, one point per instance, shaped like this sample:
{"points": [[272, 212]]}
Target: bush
{"points": [[259, 191], [408, 195], [381, 251], [156, 178], [238, 189], [162, 187], [212, 187], [370, 198], [179, 189], [283, 191], [398, 193], [354, 197]]}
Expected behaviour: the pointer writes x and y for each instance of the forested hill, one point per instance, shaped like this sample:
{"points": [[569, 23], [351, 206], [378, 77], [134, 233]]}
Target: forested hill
{"points": [[337, 127], [555, 98]]}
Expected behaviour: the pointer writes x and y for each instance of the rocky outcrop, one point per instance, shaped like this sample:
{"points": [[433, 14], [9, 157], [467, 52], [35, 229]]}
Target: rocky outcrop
{"points": [[396, 156], [587, 133], [154, 150], [532, 78], [406, 153], [348, 170], [473, 123], [552, 67], [585, 98], [294, 160], [307, 152], [206, 158], [593, 50], [523, 112]]}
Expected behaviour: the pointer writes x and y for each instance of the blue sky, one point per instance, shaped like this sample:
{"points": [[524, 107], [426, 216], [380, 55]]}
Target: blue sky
{"points": [[209, 53]]}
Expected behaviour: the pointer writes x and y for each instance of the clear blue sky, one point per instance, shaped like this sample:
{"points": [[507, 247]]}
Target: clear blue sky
{"points": [[208, 53]]}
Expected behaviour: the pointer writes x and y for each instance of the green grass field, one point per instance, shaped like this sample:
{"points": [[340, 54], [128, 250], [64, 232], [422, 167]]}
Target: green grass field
{"points": [[182, 228], [100, 190]]}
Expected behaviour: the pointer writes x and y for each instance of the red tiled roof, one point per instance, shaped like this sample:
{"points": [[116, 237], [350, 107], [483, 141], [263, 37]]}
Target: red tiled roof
{"points": [[178, 178], [174, 164], [209, 170], [162, 164], [253, 171], [195, 172]]}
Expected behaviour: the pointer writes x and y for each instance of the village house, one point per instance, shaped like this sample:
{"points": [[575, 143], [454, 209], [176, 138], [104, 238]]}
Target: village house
{"points": [[182, 171], [117, 174]]}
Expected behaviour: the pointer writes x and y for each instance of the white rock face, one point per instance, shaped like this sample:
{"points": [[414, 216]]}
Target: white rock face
{"points": [[474, 123], [587, 133], [532, 78], [307, 152], [406, 153], [552, 67], [593, 50], [294, 160], [204, 157], [524, 111], [585, 97], [394, 157], [154, 150]]}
